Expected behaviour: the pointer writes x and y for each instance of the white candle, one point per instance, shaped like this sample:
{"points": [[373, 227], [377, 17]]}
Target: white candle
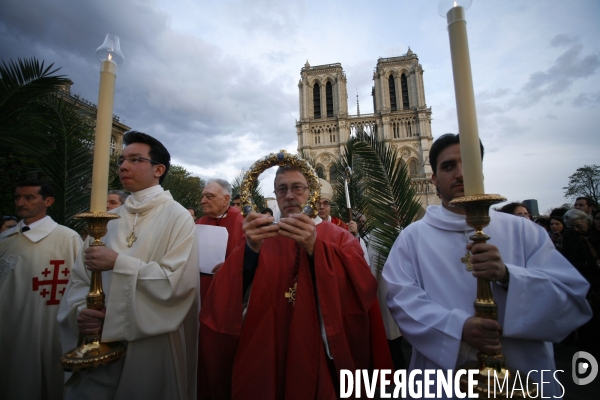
{"points": [[465, 102], [106, 96]]}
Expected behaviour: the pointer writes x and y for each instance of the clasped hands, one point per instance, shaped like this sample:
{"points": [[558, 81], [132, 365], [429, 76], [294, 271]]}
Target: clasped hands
{"points": [[484, 334], [298, 227]]}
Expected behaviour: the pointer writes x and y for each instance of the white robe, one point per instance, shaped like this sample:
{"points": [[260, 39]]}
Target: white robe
{"points": [[34, 270], [431, 294], [152, 302]]}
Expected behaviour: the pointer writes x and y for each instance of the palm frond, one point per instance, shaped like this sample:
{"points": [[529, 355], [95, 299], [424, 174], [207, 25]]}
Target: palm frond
{"points": [[381, 189], [22, 84]]}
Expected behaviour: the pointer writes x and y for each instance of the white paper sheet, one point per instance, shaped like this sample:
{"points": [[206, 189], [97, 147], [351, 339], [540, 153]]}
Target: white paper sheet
{"points": [[212, 244]]}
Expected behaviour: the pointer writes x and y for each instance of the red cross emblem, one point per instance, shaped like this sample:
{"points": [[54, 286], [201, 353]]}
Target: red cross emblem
{"points": [[53, 283]]}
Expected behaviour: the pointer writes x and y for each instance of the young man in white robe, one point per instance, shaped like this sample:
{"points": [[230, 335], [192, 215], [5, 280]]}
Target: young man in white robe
{"points": [[36, 257], [150, 277], [540, 296]]}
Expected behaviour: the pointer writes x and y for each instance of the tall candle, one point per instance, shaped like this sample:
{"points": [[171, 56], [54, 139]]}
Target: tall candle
{"points": [[106, 96], [465, 102]]}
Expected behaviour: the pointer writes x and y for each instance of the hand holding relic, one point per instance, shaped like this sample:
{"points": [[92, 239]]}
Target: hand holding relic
{"points": [[301, 228], [258, 227]]}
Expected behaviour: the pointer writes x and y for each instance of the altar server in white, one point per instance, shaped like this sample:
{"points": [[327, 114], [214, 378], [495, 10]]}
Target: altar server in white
{"points": [[36, 257], [540, 296], [150, 277]]}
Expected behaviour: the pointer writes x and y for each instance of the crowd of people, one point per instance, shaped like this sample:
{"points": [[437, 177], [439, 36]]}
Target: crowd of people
{"points": [[575, 233], [291, 302]]}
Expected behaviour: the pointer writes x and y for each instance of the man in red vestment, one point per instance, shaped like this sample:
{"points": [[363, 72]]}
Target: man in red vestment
{"points": [[312, 308], [217, 212]]}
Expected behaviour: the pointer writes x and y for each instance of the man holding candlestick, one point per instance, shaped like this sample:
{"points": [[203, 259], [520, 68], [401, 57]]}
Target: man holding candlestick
{"points": [[540, 296], [150, 273]]}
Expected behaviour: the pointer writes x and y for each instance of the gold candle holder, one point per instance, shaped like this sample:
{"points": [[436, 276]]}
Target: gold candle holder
{"points": [[493, 364], [90, 352]]}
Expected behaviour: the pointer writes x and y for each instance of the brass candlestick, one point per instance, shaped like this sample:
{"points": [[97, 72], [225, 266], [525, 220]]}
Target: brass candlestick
{"points": [[90, 352], [494, 363]]}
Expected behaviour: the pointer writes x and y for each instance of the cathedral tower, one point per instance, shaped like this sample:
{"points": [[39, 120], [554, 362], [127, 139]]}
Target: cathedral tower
{"points": [[401, 116]]}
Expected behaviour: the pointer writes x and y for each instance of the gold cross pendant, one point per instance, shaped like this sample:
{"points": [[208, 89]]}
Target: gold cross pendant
{"points": [[291, 294], [467, 261], [131, 239]]}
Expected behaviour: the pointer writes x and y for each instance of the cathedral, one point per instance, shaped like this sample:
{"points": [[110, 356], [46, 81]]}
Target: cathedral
{"points": [[401, 116]]}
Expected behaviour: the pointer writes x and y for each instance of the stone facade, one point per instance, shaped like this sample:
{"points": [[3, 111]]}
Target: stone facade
{"points": [[401, 116], [90, 110]]}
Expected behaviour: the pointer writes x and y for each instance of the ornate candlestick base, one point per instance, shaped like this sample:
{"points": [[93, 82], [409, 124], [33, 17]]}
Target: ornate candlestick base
{"points": [[490, 365], [90, 352]]}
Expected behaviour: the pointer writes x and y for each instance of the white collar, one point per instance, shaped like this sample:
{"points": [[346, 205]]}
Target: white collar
{"points": [[142, 196], [448, 215], [33, 224]]}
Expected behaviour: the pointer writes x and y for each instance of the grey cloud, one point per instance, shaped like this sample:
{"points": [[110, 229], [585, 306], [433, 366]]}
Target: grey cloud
{"points": [[488, 95], [270, 17], [187, 92], [562, 40], [568, 67], [586, 99]]}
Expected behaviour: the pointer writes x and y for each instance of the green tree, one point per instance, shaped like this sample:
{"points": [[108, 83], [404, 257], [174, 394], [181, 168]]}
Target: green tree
{"points": [[185, 188], [47, 136], [585, 182], [380, 188]]}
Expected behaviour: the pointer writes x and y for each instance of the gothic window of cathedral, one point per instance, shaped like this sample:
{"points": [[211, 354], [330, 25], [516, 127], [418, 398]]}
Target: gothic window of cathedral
{"points": [[331, 135], [392, 93], [329, 99], [404, 84], [396, 128], [333, 174], [317, 100], [412, 167], [320, 171], [409, 129]]}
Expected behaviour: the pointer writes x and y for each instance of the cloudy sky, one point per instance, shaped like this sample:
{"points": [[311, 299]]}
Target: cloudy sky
{"points": [[217, 80]]}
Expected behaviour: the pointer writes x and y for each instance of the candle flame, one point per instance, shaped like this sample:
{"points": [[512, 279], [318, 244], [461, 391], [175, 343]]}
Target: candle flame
{"points": [[110, 56], [455, 4]]}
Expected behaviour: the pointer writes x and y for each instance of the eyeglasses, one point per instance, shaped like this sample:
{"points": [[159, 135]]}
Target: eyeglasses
{"points": [[9, 218], [325, 203], [134, 160], [298, 190]]}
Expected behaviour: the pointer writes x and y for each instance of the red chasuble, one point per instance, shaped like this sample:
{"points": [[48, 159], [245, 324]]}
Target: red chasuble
{"points": [[339, 222], [233, 223], [277, 351]]}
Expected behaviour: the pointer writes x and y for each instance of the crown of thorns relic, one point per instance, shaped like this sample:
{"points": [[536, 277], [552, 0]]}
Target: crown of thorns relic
{"points": [[281, 159]]}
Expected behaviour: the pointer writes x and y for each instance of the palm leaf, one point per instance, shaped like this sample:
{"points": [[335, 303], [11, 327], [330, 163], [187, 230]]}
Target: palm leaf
{"points": [[22, 84], [380, 189]]}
